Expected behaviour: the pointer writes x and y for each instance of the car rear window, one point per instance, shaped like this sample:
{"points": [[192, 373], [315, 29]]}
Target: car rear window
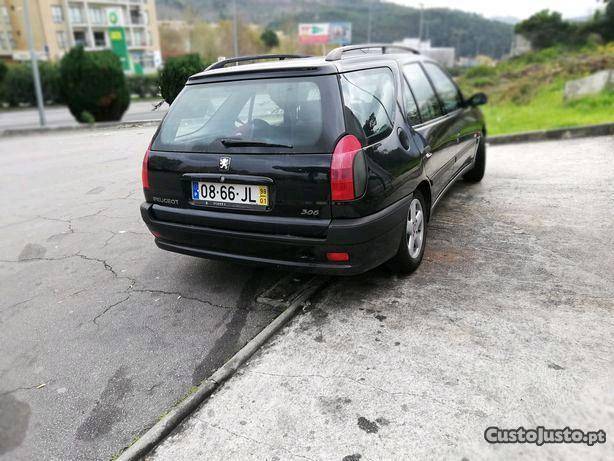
{"points": [[303, 113]]}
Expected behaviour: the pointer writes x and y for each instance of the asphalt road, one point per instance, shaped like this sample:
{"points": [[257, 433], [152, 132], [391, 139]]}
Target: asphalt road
{"points": [[101, 331], [60, 115]]}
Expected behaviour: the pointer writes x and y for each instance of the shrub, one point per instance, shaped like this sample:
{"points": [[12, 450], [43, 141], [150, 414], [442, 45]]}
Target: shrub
{"points": [[481, 71], [269, 39], [94, 82], [144, 86], [175, 73], [3, 70], [18, 84]]}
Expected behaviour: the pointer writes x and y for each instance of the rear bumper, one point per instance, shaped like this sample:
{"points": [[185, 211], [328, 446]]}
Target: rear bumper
{"points": [[369, 240]]}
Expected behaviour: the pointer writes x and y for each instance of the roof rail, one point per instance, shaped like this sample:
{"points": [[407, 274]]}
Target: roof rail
{"points": [[337, 53], [257, 57]]}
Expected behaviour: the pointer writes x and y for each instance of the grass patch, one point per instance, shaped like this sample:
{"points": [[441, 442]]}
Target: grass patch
{"points": [[547, 110]]}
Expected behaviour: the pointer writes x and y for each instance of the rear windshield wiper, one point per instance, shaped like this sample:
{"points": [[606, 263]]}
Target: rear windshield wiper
{"points": [[251, 143]]}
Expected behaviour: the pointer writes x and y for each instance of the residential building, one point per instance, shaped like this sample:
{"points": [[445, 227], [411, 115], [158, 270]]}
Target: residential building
{"points": [[6, 32], [58, 25]]}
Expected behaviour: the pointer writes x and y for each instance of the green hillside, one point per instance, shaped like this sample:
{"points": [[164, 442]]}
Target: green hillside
{"points": [[471, 33], [526, 93]]}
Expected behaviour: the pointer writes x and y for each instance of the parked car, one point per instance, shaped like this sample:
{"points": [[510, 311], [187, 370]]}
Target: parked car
{"points": [[320, 164]]}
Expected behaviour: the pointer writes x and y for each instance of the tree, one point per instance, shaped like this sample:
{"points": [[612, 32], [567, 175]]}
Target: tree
{"points": [[93, 85], [269, 39], [176, 72], [603, 24], [545, 29]]}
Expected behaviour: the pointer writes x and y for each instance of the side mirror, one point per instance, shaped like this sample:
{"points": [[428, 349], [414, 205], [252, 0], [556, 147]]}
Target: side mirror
{"points": [[477, 99]]}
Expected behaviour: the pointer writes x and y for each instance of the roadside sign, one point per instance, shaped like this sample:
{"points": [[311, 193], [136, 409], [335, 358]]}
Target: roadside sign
{"points": [[311, 33], [338, 33]]}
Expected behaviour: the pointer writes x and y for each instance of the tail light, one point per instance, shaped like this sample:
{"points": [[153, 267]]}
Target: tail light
{"points": [[337, 257], [348, 172], [145, 169]]}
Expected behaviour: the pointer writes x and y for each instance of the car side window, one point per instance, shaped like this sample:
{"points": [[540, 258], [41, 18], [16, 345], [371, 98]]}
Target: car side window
{"points": [[411, 107], [428, 104], [444, 86], [369, 97]]}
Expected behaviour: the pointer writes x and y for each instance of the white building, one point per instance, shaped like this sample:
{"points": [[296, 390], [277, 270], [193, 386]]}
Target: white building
{"points": [[444, 55]]}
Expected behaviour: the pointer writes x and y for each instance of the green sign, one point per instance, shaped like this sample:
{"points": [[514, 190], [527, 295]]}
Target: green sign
{"points": [[117, 36]]}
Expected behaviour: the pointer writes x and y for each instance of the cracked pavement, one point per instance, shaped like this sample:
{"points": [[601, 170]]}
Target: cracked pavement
{"points": [[508, 322], [102, 332]]}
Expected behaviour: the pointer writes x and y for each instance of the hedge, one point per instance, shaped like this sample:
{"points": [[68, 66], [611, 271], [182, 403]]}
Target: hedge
{"points": [[18, 84], [175, 73], [94, 82]]}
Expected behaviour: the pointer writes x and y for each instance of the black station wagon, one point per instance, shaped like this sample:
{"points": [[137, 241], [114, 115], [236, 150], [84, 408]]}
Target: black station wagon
{"points": [[320, 164]]}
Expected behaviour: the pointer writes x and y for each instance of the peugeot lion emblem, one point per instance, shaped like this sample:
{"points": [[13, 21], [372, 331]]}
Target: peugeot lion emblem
{"points": [[224, 163]]}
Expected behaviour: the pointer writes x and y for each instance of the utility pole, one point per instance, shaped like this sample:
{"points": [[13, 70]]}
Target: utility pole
{"points": [[33, 58], [235, 38], [421, 21], [369, 23]]}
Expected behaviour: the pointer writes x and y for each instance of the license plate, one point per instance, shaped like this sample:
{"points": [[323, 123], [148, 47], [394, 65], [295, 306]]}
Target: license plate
{"points": [[230, 195]]}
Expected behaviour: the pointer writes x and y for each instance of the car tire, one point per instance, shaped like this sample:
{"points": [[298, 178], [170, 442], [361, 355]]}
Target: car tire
{"points": [[476, 173], [413, 240]]}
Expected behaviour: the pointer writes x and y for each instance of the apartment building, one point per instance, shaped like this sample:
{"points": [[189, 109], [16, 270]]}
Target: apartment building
{"points": [[6, 32], [58, 25]]}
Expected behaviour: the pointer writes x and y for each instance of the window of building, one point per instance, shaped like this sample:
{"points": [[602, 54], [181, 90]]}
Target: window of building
{"points": [[80, 39], [138, 38], [97, 16], [135, 17], [369, 98], [444, 86], [4, 13], [57, 14], [61, 37], [100, 39], [4, 43], [428, 104], [76, 14]]}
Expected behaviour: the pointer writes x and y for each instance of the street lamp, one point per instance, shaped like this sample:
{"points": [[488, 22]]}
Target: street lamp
{"points": [[33, 58]]}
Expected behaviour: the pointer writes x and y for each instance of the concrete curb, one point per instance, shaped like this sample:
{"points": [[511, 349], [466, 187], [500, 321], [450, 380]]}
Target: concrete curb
{"points": [[183, 409], [95, 126], [604, 129]]}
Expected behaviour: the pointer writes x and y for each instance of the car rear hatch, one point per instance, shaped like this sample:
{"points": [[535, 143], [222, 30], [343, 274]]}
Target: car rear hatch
{"points": [[249, 155]]}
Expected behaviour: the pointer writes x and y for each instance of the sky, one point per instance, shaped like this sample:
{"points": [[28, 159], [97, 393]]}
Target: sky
{"points": [[520, 9]]}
